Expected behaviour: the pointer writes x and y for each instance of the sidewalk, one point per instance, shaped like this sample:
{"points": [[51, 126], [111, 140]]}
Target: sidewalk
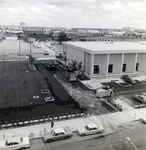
{"points": [[109, 121], [93, 84]]}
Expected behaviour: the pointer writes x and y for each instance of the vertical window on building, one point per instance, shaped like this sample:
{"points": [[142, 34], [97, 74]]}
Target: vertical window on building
{"points": [[137, 66], [124, 68], [96, 69], [110, 68]]}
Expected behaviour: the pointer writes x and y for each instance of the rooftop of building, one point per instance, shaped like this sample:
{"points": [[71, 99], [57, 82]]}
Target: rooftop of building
{"points": [[109, 47]]}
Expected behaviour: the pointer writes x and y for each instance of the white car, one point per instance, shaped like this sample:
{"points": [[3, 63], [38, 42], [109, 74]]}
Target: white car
{"points": [[57, 134], [105, 91], [89, 129], [143, 119], [14, 143], [140, 97]]}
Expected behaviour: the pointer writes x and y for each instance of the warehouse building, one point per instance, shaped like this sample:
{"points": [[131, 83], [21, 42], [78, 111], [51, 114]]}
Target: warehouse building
{"points": [[103, 59]]}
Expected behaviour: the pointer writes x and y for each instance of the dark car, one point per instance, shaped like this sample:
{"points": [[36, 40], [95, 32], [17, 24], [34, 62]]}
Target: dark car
{"points": [[46, 54]]}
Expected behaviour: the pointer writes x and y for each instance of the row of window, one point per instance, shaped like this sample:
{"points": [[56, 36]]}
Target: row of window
{"points": [[110, 68]]}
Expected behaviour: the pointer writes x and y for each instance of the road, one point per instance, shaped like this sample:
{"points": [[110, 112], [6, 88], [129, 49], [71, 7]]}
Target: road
{"points": [[136, 131]]}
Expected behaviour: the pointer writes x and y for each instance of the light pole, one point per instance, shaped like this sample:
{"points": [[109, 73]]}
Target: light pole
{"points": [[131, 143], [30, 40], [19, 48], [30, 48]]}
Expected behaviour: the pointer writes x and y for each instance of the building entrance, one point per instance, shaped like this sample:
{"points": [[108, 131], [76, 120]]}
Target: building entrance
{"points": [[96, 69]]}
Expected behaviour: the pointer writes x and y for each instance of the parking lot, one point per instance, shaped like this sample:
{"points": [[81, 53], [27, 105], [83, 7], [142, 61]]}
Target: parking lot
{"points": [[126, 93], [19, 85]]}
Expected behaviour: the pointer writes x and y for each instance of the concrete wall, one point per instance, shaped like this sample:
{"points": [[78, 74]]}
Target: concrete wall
{"points": [[101, 60], [75, 54], [115, 59], [141, 59], [87, 63], [129, 60]]}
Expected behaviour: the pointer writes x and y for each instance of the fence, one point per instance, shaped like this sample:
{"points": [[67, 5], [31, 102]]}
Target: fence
{"points": [[14, 59], [36, 120]]}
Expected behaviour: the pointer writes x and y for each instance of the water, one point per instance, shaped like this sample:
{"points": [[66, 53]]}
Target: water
{"points": [[11, 46]]}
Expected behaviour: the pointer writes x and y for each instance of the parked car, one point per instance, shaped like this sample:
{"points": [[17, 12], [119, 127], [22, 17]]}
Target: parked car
{"points": [[105, 91], [140, 97], [143, 119], [15, 143], [143, 94], [128, 79], [5, 54], [57, 134], [89, 129], [46, 53]]}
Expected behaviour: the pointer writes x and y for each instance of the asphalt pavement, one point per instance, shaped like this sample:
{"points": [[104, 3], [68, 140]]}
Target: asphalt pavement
{"points": [[63, 104]]}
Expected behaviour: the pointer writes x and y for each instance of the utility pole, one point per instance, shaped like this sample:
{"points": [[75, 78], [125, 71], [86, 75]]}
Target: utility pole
{"points": [[30, 48], [19, 48]]}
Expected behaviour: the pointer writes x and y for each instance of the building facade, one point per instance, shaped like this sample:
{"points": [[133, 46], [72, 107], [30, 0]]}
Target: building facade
{"points": [[22, 25], [108, 58]]}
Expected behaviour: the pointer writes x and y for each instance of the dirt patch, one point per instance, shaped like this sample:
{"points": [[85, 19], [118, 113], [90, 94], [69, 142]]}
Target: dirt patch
{"points": [[86, 98]]}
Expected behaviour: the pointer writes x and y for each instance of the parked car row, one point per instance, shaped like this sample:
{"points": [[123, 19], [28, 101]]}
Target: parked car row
{"points": [[4, 55], [65, 133], [18, 142]]}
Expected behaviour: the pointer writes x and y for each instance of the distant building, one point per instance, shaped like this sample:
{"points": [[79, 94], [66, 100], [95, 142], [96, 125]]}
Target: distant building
{"points": [[128, 29], [102, 59], [22, 25], [9, 27], [37, 34]]}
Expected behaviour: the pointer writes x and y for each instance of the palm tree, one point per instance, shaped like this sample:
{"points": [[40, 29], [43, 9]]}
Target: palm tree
{"points": [[79, 66], [74, 65]]}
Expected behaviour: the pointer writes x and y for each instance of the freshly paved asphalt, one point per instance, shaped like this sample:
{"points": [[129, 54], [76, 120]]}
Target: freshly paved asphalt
{"points": [[63, 103]]}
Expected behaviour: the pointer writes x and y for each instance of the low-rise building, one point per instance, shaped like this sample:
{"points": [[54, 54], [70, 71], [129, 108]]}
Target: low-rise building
{"points": [[108, 58]]}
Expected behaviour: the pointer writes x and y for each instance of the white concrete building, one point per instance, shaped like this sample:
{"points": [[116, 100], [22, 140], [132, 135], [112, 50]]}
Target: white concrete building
{"points": [[22, 25], [108, 58]]}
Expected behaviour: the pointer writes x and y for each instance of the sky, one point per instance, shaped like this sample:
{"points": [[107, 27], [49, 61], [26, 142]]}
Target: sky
{"points": [[74, 13]]}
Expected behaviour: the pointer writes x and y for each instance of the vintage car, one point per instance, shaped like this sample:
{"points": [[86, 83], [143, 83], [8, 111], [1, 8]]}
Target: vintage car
{"points": [[15, 143], [57, 134], [140, 97], [90, 128], [105, 91], [143, 119]]}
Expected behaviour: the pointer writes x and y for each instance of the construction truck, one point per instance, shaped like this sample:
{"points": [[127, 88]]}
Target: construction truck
{"points": [[105, 91], [70, 76]]}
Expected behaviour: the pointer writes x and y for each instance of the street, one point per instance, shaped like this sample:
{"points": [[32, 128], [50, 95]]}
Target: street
{"points": [[136, 131]]}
